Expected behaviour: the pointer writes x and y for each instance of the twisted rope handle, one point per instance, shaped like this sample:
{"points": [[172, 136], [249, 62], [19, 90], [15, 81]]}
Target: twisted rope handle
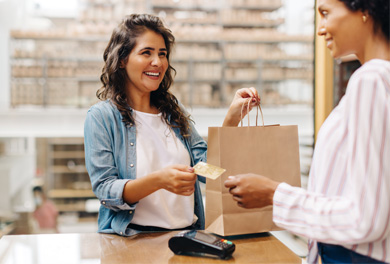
{"points": [[248, 102]]}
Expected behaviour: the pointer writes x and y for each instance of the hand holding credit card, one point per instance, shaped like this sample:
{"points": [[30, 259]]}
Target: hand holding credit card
{"points": [[207, 170]]}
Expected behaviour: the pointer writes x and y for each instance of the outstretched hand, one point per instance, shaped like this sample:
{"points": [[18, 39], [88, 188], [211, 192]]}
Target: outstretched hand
{"points": [[236, 110], [251, 190], [178, 179]]}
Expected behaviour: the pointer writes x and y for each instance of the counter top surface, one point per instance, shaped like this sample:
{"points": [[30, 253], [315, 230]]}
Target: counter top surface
{"points": [[143, 248]]}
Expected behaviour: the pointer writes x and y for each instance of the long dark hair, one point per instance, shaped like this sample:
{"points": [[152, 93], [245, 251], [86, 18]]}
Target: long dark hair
{"points": [[378, 10], [113, 77]]}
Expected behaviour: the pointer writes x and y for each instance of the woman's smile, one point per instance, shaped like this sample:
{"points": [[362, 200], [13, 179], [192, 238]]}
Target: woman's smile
{"points": [[153, 75]]}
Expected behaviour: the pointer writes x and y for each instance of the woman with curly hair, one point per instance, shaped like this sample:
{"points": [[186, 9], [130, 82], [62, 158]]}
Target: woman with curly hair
{"points": [[140, 144], [345, 212]]}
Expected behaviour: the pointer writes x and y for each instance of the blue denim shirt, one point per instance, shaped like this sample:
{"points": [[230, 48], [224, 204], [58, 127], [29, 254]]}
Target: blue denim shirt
{"points": [[111, 160]]}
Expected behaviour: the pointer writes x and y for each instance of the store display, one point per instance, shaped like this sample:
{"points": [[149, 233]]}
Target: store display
{"points": [[220, 47], [67, 180]]}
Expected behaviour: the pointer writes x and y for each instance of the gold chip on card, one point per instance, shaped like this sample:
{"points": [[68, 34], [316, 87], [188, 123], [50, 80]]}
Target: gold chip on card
{"points": [[207, 170]]}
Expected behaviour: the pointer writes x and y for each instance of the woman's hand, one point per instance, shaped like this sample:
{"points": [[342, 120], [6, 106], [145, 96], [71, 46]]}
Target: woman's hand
{"points": [[234, 114], [178, 179], [251, 190]]}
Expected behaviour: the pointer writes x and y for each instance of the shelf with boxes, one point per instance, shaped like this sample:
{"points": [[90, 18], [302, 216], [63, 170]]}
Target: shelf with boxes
{"points": [[226, 14], [210, 77], [264, 5], [252, 14], [67, 181], [220, 47], [54, 71], [248, 48]]}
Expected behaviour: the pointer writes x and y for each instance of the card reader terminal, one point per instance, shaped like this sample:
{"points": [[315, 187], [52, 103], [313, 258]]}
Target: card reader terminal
{"points": [[199, 243]]}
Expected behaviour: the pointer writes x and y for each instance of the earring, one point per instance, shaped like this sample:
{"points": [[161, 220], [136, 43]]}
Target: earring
{"points": [[364, 18]]}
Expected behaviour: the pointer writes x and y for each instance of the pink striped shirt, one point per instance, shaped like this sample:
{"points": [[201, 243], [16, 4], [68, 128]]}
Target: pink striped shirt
{"points": [[348, 198]]}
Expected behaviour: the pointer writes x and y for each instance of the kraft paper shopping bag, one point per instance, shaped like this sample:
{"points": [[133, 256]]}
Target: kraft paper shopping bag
{"points": [[272, 151]]}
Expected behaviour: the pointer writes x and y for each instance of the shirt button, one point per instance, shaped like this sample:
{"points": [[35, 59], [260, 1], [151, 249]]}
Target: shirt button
{"points": [[130, 212], [121, 233], [131, 165], [103, 202], [131, 144]]}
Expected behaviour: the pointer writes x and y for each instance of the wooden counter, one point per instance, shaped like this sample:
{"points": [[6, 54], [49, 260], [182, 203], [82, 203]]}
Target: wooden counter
{"points": [[143, 248]]}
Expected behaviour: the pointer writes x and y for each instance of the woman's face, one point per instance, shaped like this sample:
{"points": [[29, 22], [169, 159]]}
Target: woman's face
{"points": [[341, 28], [147, 63]]}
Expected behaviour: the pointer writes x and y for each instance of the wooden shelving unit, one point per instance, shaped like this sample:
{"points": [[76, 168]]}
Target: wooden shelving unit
{"points": [[67, 182], [216, 42]]}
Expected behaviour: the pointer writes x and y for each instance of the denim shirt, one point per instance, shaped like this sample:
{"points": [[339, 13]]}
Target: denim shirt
{"points": [[111, 160]]}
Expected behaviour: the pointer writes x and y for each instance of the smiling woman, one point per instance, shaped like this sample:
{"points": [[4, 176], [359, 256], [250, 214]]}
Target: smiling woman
{"points": [[340, 28], [132, 49], [355, 27], [140, 145]]}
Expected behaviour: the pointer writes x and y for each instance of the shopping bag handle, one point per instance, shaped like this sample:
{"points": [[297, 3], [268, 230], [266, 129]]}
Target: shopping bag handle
{"points": [[248, 102]]}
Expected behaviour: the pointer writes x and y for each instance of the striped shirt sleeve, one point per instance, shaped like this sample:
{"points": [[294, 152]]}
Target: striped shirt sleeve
{"points": [[361, 212]]}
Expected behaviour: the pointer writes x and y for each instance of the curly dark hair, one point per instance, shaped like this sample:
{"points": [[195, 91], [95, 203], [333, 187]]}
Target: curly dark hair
{"points": [[113, 77], [378, 10]]}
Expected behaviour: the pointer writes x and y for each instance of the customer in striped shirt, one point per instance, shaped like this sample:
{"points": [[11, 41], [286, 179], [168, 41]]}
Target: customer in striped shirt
{"points": [[345, 212]]}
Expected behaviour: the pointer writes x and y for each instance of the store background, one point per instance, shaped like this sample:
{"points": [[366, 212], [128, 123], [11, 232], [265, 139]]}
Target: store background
{"points": [[41, 138]]}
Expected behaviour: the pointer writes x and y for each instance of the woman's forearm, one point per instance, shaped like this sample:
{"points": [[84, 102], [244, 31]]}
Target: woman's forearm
{"points": [[137, 189]]}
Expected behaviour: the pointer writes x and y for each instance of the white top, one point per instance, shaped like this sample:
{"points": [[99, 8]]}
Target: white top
{"points": [[348, 197], [157, 148]]}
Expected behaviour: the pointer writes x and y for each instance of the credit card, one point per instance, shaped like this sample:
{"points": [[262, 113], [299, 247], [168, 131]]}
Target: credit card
{"points": [[207, 170]]}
